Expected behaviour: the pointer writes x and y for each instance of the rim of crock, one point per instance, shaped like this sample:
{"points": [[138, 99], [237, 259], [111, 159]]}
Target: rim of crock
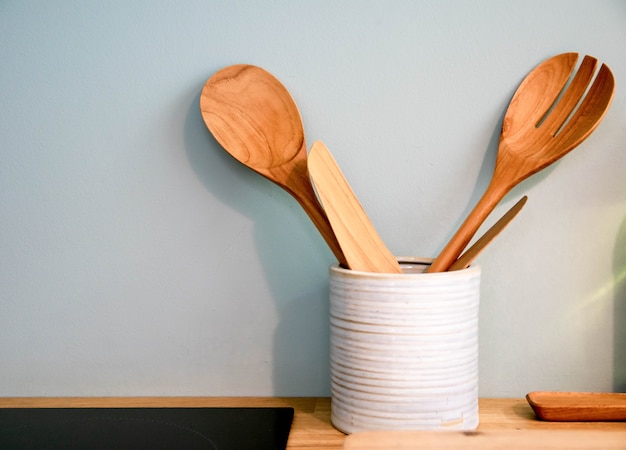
{"points": [[417, 260]]}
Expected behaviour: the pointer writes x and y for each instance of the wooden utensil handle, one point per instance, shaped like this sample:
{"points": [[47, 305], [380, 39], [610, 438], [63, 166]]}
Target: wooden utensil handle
{"points": [[472, 253], [306, 197], [464, 234]]}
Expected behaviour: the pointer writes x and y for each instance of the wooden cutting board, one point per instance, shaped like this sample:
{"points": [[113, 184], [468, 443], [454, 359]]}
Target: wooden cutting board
{"points": [[578, 406], [487, 440]]}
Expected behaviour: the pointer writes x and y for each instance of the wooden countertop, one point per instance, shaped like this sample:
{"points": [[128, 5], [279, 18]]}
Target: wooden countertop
{"points": [[311, 427]]}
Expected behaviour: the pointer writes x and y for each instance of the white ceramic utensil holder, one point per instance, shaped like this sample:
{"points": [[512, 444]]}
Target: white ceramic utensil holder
{"points": [[404, 348]]}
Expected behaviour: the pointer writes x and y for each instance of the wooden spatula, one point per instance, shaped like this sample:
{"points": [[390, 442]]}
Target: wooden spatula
{"points": [[362, 247]]}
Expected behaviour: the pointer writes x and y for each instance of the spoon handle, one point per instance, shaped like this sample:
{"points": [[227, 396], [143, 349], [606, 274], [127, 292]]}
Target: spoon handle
{"points": [[472, 253]]}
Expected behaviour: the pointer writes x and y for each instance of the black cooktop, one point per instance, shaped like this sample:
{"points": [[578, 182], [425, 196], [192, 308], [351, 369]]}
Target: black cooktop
{"points": [[145, 428]]}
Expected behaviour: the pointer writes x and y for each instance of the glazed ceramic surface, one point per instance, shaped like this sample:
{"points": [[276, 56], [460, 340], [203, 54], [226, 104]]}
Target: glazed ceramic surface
{"points": [[404, 348]]}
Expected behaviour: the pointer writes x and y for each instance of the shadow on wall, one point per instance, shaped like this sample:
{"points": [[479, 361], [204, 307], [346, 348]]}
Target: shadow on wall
{"points": [[294, 262], [619, 313]]}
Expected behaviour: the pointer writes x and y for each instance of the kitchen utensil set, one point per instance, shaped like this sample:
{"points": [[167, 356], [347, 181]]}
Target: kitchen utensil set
{"points": [[253, 116]]}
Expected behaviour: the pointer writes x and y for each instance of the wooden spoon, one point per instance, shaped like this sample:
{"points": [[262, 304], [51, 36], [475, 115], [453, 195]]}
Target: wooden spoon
{"points": [[362, 246], [578, 406], [472, 253], [253, 116], [536, 132]]}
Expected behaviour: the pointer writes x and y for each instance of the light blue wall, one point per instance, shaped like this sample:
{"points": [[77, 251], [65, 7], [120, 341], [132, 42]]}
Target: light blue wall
{"points": [[138, 258]]}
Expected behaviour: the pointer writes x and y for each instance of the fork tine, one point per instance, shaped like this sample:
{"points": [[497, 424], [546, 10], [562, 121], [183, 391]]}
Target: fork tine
{"points": [[592, 109], [572, 95]]}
